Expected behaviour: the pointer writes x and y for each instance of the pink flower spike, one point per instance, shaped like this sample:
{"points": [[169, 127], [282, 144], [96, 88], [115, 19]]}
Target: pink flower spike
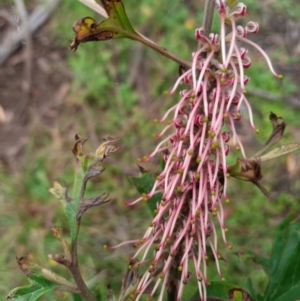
{"points": [[205, 100], [223, 38], [134, 202], [200, 36], [147, 245], [221, 7], [167, 113], [214, 39], [252, 27], [155, 287], [233, 92], [128, 242], [249, 112], [232, 42], [241, 31], [202, 73], [163, 287], [178, 81], [194, 145], [264, 55], [246, 62], [241, 10], [165, 129], [241, 68]]}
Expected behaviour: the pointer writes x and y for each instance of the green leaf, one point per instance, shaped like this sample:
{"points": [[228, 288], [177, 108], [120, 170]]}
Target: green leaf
{"points": [[226, 291], [222, 291], [144, 185], [116, 26], [117, 15], [77, 297], [283, 268], [219, 290], [39, 287]]}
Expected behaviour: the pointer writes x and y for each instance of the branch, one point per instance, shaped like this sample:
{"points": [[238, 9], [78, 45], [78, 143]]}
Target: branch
{"points": [[208, 16], [74, 270]]}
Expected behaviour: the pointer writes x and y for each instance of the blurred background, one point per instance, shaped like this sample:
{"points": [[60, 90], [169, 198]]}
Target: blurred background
{"points": [[48, 94]]}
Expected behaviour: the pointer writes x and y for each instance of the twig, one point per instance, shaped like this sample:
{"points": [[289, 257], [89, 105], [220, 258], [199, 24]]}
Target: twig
{"points": [[74, 270], [72, 266], [138, 37], [208, 16], [21, 10], [36, 19]]}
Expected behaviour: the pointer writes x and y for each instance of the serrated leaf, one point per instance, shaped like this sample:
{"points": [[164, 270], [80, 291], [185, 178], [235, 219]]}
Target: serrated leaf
{"points": [[144, 184], [39, 287], [280, 151]]}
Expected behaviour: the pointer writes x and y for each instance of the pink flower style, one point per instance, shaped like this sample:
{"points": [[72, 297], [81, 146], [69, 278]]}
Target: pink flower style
{"points": [[194, 180]]}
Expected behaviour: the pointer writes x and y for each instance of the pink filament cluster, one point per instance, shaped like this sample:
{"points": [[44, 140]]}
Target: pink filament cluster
{"points": [[193, 182]]}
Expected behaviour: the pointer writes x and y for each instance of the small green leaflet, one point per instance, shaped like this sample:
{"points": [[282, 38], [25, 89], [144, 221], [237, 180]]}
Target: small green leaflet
{"points": [[39, 287], [144, 184], [116, 16]]}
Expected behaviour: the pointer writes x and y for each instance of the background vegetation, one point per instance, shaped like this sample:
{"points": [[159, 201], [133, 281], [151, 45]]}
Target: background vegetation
{"points": [[116, 87]]}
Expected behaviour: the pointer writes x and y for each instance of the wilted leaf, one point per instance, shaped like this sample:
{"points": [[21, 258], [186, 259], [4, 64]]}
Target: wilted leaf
{"points": [[130, 282], [57, 233], [85, 204], [106, 147], [92, 172], [81, 158], [280, 151], [248, 170], [60, 192], [278, 125]]}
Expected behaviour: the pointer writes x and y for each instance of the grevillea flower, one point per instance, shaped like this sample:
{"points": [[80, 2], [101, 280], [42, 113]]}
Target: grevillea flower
{"points": [[194, 180]]}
